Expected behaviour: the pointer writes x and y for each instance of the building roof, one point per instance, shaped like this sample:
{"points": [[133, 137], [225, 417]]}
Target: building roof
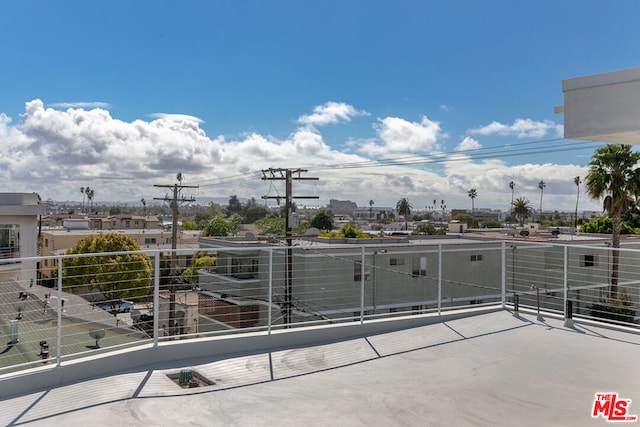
{"points": [[485, 369], [39, 323]]}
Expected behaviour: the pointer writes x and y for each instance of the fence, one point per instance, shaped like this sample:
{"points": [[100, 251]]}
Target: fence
{"points": [[102, 302]]}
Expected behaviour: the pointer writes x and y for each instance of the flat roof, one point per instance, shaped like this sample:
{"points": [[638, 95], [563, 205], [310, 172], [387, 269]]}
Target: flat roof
{"points": [[483, 369]]}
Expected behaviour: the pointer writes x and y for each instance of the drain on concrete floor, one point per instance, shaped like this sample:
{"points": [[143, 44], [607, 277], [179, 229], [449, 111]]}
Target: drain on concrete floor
{"points": [[188, 378]]}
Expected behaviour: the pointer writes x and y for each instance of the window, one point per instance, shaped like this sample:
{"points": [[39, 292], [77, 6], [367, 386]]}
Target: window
{"points": [[420, 266], [357, 272], [9, 241], [150, 241], [254, 265], [136, 223], [46, 243], [235, 265], [589, 260], [127, 224], [475, 258], [396, 261]]}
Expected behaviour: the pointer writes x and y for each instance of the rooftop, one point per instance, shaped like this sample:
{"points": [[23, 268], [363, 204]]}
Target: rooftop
{"points": [[474, 368]]}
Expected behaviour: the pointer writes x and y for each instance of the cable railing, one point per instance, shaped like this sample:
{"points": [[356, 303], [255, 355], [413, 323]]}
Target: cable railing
{"points": [[97, 303]]}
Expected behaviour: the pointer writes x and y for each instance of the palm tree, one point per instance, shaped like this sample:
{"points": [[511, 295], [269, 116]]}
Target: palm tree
{"points": [[541, 186], [90, 193], [522, 209], [512, 185], [370, 209], [473, 193], [179, 177], [577, 181], [404, 208], [614, 176], [144, 205], [83, 194]]}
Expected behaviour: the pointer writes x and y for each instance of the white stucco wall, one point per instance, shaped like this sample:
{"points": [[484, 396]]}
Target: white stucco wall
{"points": [[603, 107]]}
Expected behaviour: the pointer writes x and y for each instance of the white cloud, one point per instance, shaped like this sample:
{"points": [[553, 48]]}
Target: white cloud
{"points": [[95, 104], [401, 136], [56, 152], [180, 118], [522, 128], [330, 113], [468, 143]]}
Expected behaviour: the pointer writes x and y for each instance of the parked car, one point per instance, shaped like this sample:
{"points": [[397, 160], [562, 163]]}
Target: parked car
{"points": [[122, 306]]}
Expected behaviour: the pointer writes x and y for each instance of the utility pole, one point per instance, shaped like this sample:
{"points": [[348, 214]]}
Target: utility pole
{"points": [[173, 201], [291, 221]]}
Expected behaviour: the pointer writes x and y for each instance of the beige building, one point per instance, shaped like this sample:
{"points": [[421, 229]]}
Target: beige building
{"points": [[19, 214], [56, 241]]}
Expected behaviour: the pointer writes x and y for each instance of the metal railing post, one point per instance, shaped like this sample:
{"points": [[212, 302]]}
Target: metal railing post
{"points": [[503, 277], [59, 326], [565, 281], [270, 290], [439, 278], [362, 270], [156, 298]]}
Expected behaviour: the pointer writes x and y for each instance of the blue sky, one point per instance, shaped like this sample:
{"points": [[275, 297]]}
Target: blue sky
{"points": [[122, 95]]}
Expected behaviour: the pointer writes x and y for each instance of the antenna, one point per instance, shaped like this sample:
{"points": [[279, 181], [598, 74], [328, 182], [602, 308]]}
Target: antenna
{"points": [[97, 334]]}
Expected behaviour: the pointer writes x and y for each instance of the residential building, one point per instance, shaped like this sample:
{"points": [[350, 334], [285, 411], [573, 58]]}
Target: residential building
{"points": [[19, 213]]}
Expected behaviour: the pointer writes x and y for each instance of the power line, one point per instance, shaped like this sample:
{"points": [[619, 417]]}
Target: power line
{"points": [[507, 150], [291, 221], [174, 201]]}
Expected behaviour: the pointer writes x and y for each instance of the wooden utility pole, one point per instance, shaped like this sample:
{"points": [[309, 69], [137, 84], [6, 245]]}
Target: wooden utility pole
{"points": [[173, 201], [291, 221]]}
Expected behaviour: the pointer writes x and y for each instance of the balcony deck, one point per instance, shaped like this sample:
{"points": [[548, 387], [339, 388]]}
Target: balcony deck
{"points": [[476, 368]]}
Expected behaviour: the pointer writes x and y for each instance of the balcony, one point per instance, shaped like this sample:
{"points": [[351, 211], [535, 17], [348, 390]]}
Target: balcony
{"points": [[325, 293]]}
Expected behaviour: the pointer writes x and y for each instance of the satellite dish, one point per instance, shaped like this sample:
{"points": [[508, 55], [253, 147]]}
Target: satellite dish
{"points": [[135, 315], [312, 232], [97, 334], [250, 236]]}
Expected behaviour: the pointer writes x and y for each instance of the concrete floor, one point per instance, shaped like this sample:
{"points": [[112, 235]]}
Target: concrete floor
{"points": [[485, 370]]}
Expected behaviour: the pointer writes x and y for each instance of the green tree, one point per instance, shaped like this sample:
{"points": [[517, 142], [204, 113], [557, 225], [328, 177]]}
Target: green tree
{"points": [[200, 260], [605, 226], [253, 212], [271, 225], [470, 220], [83, 196], [115, 274], [427, 229], [217, 226], [614, 176], [473, 193], [234, 206], [189, 224], [403, 207], [322, 220], [522, 209], [235, 221]]}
